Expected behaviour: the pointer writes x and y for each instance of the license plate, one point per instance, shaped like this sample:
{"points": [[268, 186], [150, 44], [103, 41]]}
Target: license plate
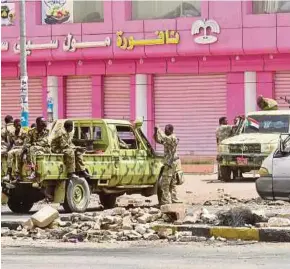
{"points": [[242, 161]]}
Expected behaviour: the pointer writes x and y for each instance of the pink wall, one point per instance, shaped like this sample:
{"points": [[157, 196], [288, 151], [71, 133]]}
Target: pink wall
{"points": [[242, 33]]}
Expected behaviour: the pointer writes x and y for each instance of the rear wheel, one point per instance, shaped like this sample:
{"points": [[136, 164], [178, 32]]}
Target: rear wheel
{"points": [[19, 205], [77, 195], [108, 201], [225, 173]]}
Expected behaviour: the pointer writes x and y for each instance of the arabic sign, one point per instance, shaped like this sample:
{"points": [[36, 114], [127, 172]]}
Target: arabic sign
{"points": [[70, 44], [164, 37], [7, 13], [29, 46], [57, 11], [205, 38]]}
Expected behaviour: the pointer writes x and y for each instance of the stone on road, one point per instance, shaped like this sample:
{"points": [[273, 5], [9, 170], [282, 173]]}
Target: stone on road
{"points": [[139, 255]]}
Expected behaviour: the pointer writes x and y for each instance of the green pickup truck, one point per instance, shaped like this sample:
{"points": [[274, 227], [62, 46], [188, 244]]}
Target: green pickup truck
{"points": [[114, 170]]}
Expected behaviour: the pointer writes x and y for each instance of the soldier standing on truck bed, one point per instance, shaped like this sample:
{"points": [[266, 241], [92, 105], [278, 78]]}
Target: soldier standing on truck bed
{"points": [[36, 143], [73, 156], [16, 140], [8, 128], [266, 103], [172, 164]]}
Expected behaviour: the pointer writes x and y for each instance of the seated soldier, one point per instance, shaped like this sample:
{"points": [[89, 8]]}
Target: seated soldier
{"points": [[16, 140], [73, 156], [36, 143], [8, 128], [267, 103]]}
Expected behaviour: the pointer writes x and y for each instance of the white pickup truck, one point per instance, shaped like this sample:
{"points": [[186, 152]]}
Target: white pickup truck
{"points": [[274, 180]]}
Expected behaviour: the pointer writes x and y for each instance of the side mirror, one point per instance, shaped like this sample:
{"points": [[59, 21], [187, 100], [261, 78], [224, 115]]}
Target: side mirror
{"points": [[281, 145]]}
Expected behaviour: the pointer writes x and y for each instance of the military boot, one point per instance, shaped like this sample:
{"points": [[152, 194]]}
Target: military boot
{"points": [[84, 174], [72, 176], [8, 177]]}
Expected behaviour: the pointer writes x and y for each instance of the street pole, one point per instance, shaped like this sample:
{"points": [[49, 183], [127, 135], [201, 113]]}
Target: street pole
{"points": [[23, 68]]}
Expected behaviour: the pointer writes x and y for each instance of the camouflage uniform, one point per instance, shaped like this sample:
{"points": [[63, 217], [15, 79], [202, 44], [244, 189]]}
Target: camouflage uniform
{"points": [[73, 158], [223, 132], [37, 143], [172, 164], [5, 131], [15, 152], [269, 104]]}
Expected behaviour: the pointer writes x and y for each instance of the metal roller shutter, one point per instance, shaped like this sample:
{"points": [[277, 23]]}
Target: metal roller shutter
{"points": [[193, 105], [10, 94], [117, 97], [79, 97], [282, 88]]}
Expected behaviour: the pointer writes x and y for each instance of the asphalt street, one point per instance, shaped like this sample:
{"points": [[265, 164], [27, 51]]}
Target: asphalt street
{"points": [[149, 256]]}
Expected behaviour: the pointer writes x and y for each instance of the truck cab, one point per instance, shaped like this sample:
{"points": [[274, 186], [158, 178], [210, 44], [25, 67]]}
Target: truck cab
{"points": [[257, 138]]}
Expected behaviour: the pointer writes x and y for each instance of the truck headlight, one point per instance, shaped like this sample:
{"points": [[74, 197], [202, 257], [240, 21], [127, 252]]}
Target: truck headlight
{"points": [[223, 148], [263, 172], [268, 148]]}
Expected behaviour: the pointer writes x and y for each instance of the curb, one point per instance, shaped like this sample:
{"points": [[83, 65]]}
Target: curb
{"points": [[276, 234], [12, 225]]}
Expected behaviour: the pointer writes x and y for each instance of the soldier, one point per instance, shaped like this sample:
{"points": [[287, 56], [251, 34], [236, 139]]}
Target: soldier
{"points": [[73, 156], [16, 140], [33, 125], [172, 163], [266, 103], [223, 131], [9, 128], [36, 143]]}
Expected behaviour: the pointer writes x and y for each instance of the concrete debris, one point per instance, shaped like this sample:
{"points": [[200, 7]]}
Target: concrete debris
{"points": [[165, 233], [278, 222], [44, 216], [120, 224]]}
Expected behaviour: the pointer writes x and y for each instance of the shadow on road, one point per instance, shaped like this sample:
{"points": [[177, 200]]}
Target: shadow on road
{"points": [[242, 180]]}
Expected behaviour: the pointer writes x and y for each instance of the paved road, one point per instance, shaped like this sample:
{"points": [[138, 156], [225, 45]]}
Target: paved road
{"points": [[143, 255]]}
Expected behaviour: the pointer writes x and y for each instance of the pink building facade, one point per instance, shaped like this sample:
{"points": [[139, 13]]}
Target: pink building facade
{"points": [[90, 69]]}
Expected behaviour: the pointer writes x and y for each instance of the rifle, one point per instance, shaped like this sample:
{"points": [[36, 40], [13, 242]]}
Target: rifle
{"points": [[286, 100]]}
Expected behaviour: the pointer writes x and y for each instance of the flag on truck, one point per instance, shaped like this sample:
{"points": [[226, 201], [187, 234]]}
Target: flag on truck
{"points": [[252, 123]]}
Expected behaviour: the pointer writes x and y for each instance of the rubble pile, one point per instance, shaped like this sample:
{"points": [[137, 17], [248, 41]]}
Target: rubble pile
{"points": [[121, 224], [226, 199]]}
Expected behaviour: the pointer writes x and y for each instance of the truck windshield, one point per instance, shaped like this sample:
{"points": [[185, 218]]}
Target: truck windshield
{"points": [[267, 124]]}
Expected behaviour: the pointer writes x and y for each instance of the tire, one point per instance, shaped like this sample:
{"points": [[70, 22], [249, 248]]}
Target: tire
{"points": [[19, 205], [108, 201], [226, 173], [77, 196]]}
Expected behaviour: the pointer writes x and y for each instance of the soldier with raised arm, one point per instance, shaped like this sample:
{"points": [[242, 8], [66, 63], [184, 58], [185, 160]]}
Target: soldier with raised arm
{"points": [[172, 163]]}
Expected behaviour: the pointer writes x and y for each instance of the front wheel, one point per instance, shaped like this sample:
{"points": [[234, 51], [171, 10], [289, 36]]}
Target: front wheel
{"points": [[77, 196], [108, 200], [19, 205], [225, 173]]}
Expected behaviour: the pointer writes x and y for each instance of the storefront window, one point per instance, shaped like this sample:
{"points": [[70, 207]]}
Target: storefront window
{"points": [[72, 11], [271, 6], [145, 10]]}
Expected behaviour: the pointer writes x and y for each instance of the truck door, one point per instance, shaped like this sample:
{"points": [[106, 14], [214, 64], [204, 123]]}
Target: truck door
{"points": [[281, 172], [126, 155]]}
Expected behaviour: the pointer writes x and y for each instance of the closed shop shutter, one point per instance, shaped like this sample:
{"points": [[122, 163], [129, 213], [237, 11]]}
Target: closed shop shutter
{"points": [[117, 97], [10, 94], [282, 88], [79, 97], [192, 104]]}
